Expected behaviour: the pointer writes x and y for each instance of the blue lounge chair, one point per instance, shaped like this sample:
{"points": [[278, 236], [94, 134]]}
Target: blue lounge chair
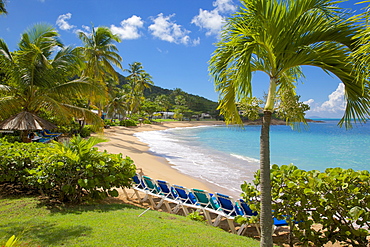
{"points": [[170, 196], [139, 186], [229, 210], [248, 213], [186, 199]]}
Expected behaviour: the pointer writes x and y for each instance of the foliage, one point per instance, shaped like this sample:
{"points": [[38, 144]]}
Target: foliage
{"points": [[70, 171], [250, 107], [17, 159], [128, 123], [11, 241], [76, 169], [90, 225], [38, 77], [277, 38], [86, 131], [290, 108], [337, 199], [111, 122], [196, 216]]}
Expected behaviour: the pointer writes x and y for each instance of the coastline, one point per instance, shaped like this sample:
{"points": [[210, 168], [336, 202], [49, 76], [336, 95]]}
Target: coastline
{"points": [[122, 140]]}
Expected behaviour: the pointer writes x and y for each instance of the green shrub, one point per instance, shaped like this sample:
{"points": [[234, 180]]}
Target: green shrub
{"points": [[128, 123], [70, 171], [147, 121], [86, 131], [76, 170], [338, 200], [17, 159], [196, 216], [111, 122]]}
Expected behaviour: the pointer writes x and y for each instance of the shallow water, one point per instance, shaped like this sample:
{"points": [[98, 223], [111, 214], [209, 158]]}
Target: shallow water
{"points": [[227, 156]]}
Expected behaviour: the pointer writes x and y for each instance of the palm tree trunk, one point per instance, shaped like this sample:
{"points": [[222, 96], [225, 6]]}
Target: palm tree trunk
{"points": [[266, 210]]}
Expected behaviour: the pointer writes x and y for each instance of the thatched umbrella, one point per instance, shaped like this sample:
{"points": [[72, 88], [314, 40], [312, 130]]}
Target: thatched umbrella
{"points": [[26, 121]]}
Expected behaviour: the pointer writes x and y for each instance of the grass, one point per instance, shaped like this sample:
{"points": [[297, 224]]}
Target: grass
{"points": [[105, 225]]}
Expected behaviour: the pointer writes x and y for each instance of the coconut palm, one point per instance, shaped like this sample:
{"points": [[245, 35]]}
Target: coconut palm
{"points": [[100, 55], [37, 76], [138, 81], [277, 37], [138, 78]]}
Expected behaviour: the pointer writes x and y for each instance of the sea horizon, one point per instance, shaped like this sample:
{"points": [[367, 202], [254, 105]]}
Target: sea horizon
{"points": [[228, 156]]}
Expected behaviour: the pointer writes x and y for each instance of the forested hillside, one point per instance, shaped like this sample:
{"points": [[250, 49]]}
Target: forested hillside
{"points": [[194, 102]]}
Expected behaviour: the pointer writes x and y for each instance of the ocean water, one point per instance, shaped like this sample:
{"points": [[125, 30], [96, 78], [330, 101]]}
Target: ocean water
{"points": [[228, 156]]}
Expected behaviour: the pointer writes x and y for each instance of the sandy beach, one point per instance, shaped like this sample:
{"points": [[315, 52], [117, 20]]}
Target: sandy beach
{"points": [[122, 140]]}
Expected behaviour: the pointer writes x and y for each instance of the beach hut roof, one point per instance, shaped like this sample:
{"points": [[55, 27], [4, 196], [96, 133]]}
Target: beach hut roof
{"points": [[26, 121]]}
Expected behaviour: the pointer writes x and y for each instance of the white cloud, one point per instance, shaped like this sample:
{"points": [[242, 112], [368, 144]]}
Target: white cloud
{"points": [[62, 22], [129, 28], [167, 30], [213, 20], [332, 108]]}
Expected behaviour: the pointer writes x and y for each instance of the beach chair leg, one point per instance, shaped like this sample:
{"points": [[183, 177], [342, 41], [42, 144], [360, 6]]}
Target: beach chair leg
{"points": [[146, 197], [258, 229], [151, 201], [176, 209], [242, 229], [186, 211], [126, 194], [137, 195], [208, 216], [168, 207], [231, 225], [160, 203], [217, 220]]}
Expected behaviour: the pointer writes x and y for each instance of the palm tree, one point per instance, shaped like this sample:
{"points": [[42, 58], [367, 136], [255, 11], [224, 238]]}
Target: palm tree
{"points": [[138, 80], [37, 77], [277, 37], [100, 55]]}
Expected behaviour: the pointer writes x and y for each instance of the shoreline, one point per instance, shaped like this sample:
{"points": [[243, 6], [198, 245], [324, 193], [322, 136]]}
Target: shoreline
{"points": [[122, 140]]}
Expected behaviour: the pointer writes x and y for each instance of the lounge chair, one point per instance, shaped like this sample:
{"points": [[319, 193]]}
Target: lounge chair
{"points": [[248, 213], [48, 133], [139, 186], [170, 196], [209, 204], [186, 199], [229, 210], [40, 138], [152, 190]]}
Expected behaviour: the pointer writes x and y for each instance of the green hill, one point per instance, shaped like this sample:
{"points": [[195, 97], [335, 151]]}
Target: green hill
{"points": [[195, 103]]}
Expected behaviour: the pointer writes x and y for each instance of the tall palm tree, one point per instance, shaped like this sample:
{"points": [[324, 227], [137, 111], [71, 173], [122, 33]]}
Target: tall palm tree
{"points": [[37, 77], [277, 37], [138, 80], [100, 55]]}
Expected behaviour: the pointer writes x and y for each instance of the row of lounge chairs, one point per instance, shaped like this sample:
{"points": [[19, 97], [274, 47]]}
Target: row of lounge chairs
{"points": [[215, 207]]}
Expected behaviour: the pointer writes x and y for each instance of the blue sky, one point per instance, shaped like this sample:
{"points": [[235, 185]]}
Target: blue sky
{"points": [[173, 39]]}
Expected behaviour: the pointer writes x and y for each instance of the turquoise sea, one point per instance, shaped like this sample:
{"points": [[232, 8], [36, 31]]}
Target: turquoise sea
{"points": [[227, 156]]}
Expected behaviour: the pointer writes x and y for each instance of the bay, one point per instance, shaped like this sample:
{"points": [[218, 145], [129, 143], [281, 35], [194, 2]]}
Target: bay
{"points": [[227, 156]]}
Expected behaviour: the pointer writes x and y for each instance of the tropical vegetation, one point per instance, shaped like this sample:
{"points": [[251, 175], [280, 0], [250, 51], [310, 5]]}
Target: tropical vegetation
{"points": [[63, 84], [321, 207], [72, 171], [40, 78], [277, 38]]}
